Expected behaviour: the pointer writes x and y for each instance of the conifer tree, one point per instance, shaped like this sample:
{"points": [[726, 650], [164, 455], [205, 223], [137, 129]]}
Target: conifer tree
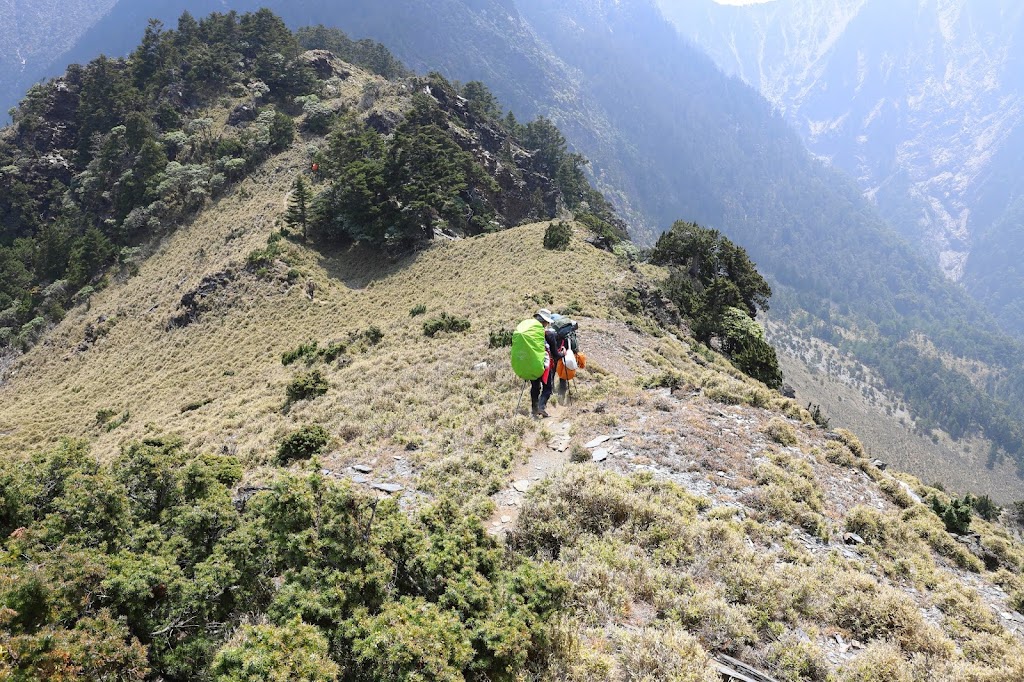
{"points": [[298, 206]]}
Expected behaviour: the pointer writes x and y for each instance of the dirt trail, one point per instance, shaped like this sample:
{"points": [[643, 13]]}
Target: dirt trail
{"points": [[541, 463]]}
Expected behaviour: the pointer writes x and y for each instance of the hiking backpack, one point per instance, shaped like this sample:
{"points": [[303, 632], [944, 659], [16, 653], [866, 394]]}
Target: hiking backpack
{"points": [[566, 329], [528, 352]]}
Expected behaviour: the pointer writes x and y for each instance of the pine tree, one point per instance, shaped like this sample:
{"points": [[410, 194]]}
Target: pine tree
{"points": [[298, 206]]}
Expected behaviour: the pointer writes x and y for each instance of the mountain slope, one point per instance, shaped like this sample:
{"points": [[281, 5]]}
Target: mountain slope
{"points": [[286, 451], [669, 138], [919, 101], [710, 500]]}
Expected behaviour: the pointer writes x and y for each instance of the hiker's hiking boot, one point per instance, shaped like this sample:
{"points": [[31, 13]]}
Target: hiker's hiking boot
{"points": [[537, 412]]}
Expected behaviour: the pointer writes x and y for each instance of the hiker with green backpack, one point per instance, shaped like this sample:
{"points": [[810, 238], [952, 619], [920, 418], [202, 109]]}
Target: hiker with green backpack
{"points": [[535, 350]]}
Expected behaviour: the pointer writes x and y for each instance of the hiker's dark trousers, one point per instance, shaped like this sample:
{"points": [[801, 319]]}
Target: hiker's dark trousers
{"points": [[541, 390]]}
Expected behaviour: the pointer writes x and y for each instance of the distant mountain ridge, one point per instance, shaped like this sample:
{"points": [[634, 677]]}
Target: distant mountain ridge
{"points": [[34, 34], [922, 102]]}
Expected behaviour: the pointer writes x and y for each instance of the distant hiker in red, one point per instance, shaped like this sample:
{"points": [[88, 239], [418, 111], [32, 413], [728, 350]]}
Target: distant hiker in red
{"points": [[540, 389]]}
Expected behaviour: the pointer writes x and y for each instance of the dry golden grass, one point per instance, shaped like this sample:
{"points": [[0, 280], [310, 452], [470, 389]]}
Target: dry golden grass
{"points": [[409, 390]]}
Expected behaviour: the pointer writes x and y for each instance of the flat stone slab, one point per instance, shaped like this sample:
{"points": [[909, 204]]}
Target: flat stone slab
{"points": [[560, 444], [386, 487], [360, 479], [521, 486], [597, 441], [601, 454], [362, 468]]}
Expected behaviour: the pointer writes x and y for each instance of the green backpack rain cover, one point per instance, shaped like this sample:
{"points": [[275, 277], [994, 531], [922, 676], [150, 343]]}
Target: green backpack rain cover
{"points": [[528, 350]]}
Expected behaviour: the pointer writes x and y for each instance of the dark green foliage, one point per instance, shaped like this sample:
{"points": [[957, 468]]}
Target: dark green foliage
{"points": [[818, 416], [146, 569], [418, 309], [743, 341], [393, 193], [955, 514], [261, 259], [297, 215], [368, 54], [557, 236], [500, 339], [137, 159], [445, 323], [333, 351], [303, 350], [373, 335], [104, 415], [304, 443], [481, 100], [311, 352], [307, 385], [715, 284], [986, 508]]}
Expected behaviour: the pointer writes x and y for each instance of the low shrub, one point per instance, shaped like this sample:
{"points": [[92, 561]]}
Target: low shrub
{"points": [[780, 431], [557, 236], [294, 651], [445, 323], [304, 443], [374, 335], [500, 339], [416, 310], [308, 351], [955, 514], [579, 454], [307, 385]]}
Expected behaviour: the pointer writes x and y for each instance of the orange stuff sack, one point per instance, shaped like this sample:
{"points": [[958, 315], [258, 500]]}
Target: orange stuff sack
{"points": [[581, 360], [563, 373]]}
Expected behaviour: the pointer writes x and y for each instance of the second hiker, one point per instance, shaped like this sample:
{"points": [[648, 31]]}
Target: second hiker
{"points": [[540, 389]]}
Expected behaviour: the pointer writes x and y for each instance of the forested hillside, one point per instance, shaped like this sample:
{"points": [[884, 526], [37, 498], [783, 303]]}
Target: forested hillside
{"points": [[117, 152], [920, 101]]}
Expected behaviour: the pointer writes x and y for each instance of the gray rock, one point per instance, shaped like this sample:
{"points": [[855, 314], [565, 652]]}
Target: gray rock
{"points": [[521, 486], [600, 455], [387, 487], [362, 468], [479, 366], [852, 539], [597, 441]]}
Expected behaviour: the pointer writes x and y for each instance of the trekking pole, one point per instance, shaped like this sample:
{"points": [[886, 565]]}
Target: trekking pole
{"points": [[519, 402]]}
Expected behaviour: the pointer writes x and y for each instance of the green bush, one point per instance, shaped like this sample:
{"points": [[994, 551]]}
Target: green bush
{"points": [[557, 236], [304, 350], [304, 443], [198, 580], [818, 416], [413, 640], [986, 508], [418, 309], [373, 335], [500, 339], [307, 385], [268, 653], [445, 323], [955, 514]]}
